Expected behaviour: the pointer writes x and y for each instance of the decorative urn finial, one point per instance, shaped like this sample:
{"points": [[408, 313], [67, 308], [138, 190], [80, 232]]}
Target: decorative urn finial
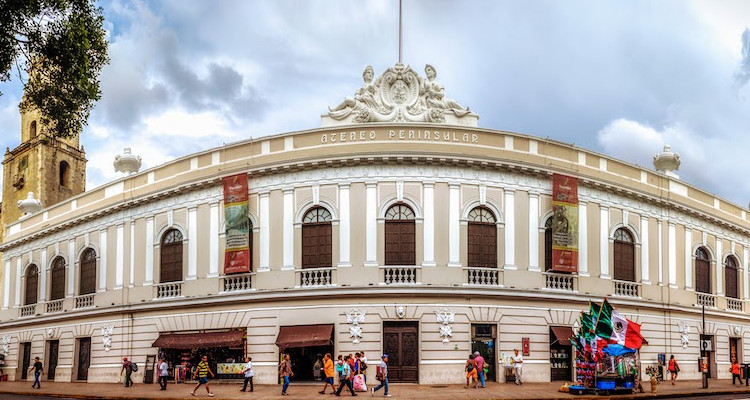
{"points": [[30, 205], [127, 162], [667, 161]]}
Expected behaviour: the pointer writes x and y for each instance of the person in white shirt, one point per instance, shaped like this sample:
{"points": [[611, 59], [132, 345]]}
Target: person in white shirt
{"points": [[518, 364], [163, 368], [248, 371]]}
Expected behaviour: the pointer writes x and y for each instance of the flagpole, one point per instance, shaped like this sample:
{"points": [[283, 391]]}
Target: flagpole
{"points": [[400, 31]]}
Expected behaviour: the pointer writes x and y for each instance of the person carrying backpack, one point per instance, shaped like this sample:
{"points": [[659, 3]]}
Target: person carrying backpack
{"points": [[381, 374], [346, 378], [128, 367]]}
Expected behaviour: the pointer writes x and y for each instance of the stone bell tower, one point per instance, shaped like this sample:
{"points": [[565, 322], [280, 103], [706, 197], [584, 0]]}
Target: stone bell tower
{"points": [[53, 169]]}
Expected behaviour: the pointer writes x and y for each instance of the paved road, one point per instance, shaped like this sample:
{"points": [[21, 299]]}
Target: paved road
{"points": [[18, 397], [719, 397]]}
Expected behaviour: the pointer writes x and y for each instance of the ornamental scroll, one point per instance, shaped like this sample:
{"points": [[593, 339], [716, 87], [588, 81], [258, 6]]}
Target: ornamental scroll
{"points": [[237, 254], [564, 223]]}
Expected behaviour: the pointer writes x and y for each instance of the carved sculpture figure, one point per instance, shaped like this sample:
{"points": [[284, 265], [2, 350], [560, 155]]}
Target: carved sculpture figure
{"points": [[446, 318], [107, 331], [355, 317], [364, 98], [684, 333], [434, 94], [6, 345]]}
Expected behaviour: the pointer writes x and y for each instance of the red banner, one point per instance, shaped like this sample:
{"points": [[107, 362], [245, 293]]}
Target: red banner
{"points": [[237, 253], [564, 223]]}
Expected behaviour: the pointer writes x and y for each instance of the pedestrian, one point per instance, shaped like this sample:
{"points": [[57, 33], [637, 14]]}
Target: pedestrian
{"points": [[518, 364], [480, 368], [381, 374], [127, 367], [248, 371], [163, 368], [202, 371], [673, 368], [471, 371], [317, 367], [346, 378], [340, 366], [285, 370], [735, 370], [328, 371], [38, 368]]}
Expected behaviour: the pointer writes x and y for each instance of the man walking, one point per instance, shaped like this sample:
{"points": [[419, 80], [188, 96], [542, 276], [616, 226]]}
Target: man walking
{"points": [[163, 369], [37, 367], [480, 368], [127, 366], [381, 374], [202, 371], [518, 364], [328, 370], [285, 370], [346, 378], [248, 371]]}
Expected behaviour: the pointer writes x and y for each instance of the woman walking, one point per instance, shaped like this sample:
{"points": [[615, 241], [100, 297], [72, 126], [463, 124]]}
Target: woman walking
{"points": [[471, 371], [285, 370], [673, 368]]}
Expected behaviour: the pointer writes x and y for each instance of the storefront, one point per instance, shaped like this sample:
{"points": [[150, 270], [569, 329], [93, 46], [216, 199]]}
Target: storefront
{"points": [[561, 353], [304, 343], [183, 351], [483, 338]]}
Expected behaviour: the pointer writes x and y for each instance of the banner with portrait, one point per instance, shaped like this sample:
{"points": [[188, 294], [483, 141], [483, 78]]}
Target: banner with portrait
{"points": [[564, 223], [237, 253]]}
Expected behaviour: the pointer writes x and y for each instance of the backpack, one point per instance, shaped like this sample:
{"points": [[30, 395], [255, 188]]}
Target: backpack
{"points": [[134, 367], [379, 373], [362, 365]]}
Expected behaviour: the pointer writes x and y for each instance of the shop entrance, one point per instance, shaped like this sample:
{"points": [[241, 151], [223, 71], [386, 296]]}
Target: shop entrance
{"points": [[26, 349], [560, 353], [401, 343], [303, 359], [54, 347], [707, 350], [183, 351], [304, 343], [735, 349], [483, 338], [84, 358]]}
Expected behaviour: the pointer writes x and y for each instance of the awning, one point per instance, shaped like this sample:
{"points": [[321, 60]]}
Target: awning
{"points": [[304, 336], [562, 334], [199, 340]]}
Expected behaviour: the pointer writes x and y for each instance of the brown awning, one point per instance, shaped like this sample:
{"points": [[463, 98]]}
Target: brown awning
{"points": [[304, 336], [199, 340], [562, 334]]}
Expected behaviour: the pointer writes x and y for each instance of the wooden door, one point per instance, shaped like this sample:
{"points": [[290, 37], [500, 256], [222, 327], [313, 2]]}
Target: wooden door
{"points": [[26, 360], [317, 247], [84, 358], [702, 276], [54, 349], [482, 245], [400, 243], [401, 343], [624, 261]]}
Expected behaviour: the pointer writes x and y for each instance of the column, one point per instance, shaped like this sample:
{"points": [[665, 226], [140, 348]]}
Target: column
{"points": [[371, 224], [131, 282], [18, 281], [534, 232], [72, 261], [119, 255], [213, 240], [645, 271], [454, 217], [661, 261], [688, 258], [192, 243], [43, 269], [604, 242], [745, 290], [428, 224], [288, 230], [719, 267], [510, 229], [6, 285], [265, 237], [583, 239], [672, 254], [103, 261], [149, 278], [344, 226]]}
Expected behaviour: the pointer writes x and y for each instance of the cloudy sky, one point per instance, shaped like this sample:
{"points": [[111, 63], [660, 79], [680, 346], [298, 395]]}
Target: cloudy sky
{"points": [[618, 77]]}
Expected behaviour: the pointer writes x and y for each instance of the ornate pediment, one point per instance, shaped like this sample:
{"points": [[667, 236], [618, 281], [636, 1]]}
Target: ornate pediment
{"points": [[399, 95]]}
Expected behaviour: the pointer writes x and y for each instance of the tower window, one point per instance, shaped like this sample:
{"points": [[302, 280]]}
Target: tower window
{"points": [[64, 173], [32, 130]]}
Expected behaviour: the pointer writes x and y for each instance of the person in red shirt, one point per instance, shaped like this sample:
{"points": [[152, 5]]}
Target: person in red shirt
{"points": [[735, 370], [673, 368]]}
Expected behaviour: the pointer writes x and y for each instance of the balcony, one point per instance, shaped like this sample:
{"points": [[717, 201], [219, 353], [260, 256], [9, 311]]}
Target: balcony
{"points": [[54, 306], [168, 290], [706, 300], [237, 283], [560, 282], [483, 276], [84, 301], [400, 275], [315, 277], [27, 311], [627, 289], [735, 305]]}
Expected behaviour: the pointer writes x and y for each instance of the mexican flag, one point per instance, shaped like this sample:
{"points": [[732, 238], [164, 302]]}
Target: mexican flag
{"points": [[603, 327], [626, 332]]}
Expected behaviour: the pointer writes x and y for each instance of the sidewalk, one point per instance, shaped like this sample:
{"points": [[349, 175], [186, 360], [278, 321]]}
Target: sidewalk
{"points": [[308, 391]]}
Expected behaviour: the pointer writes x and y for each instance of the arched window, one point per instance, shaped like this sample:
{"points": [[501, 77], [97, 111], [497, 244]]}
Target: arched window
{"points": [[482, 240], [57, 284], [702, 271], [64, 173], [730, 277], [548, 244], [87, 282], [32, 130], [624, 256], [32, 284], [171, 257], [317, 243], [400, 242]]}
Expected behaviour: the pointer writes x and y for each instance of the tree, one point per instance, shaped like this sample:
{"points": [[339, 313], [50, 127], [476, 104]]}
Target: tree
{"points": [[62, 47]]}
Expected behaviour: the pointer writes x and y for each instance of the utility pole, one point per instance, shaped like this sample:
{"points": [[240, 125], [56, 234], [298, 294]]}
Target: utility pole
{"points": [[704, 353]]}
